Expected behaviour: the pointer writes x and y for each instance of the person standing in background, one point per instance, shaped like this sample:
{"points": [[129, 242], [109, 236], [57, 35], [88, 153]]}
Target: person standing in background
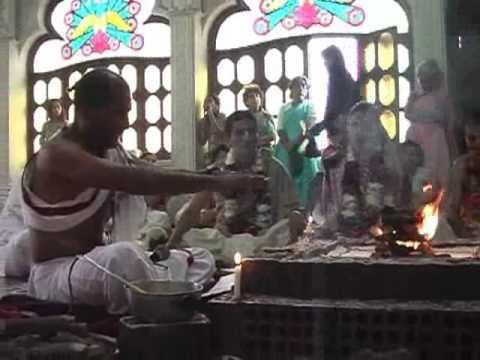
{"points": [[343, 91], [295, 119], [211, 128], [57, 120], [253, 98], [430, 111]]}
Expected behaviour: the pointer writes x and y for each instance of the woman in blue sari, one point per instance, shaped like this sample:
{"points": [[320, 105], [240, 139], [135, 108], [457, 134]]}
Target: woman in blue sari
{"points": [[295, 119]]}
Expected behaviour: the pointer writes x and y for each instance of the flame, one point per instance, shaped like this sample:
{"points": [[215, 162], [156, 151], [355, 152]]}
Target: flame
{"points": [[410, 244], [427, 187], [428, 216], [376, 231], [237, 258]]}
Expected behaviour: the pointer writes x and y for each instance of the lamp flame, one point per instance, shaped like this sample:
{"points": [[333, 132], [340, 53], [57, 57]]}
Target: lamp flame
{"points": [[237, 258]]}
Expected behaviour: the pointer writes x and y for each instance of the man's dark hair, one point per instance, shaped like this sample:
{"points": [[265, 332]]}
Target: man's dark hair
{"points": [[49, 106], [97, 89], [361, 107], [50, 102], [253, 89], [472, 119], [237, 116]]}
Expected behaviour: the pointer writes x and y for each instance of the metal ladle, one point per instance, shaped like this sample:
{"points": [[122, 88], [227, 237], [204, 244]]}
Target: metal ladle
{"points": [[113, 275]]}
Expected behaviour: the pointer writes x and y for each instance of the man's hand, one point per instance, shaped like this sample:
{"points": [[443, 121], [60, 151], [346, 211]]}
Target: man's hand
{"points": [[242, 183]]}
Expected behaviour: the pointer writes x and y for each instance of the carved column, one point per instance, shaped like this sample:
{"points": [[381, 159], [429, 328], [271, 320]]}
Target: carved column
{"points": [[7, 54], [186, 27]]}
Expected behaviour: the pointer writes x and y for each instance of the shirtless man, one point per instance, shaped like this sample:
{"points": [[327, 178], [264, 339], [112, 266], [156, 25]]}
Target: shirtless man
{"points": [[68, 219]]}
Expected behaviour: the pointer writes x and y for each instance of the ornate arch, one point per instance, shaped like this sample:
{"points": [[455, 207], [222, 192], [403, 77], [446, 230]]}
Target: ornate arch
{"points": [[228, 59], [148, 73]]}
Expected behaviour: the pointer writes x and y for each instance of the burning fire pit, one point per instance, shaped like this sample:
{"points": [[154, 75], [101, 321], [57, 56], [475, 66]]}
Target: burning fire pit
{"points": [[330, 298], [401, 233]]}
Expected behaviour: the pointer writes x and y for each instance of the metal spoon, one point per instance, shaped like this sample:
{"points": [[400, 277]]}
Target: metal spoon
{"points": [[113, 275]]}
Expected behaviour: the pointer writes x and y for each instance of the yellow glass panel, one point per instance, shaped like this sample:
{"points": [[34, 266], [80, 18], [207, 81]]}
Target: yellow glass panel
{"points": [[370, 57], [386, 51], [389, 122], [369, 92], [387, 91]]}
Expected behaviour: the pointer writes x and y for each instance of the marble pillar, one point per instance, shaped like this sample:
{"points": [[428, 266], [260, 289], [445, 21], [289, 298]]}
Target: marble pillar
{"points": [[185, 22], [7, 54]]}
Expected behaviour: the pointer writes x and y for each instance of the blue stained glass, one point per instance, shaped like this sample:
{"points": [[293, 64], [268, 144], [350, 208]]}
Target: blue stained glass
{"points": [[292, 13], [96, 26]]}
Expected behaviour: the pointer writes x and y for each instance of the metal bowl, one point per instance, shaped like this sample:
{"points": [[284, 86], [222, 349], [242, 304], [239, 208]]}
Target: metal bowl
{"points": [[165, 301]]}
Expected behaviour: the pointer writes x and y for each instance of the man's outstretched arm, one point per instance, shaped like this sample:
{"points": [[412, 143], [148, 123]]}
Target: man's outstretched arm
{"points": [[82, 168]]}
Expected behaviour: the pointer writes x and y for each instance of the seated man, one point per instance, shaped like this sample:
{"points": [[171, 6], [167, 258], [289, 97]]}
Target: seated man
{"points": [[81, 179], [462, 206], [158, 225], [246, 221]]}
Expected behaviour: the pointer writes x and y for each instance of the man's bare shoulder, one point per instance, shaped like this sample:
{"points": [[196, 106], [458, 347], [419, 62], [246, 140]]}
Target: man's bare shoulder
{"points": [[58, 155]]}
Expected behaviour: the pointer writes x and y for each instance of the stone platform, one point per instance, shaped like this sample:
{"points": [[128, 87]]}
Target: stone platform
{"points": [[276, 328], [355, 275], [331, 300]]}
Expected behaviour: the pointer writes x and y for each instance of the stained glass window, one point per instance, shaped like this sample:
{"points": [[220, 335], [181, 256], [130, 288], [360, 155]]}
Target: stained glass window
{"points": [[114, 34], [285, 38], [291, 14], [275, 19], [100, 29]]}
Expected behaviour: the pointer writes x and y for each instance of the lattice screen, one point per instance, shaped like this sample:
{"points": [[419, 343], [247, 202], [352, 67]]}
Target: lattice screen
{"points": [[150, 118]]}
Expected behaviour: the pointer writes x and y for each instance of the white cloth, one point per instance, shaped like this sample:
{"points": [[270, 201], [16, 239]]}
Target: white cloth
{"points": [[17, 252], [50, 280], [129, 211], [224, 248], [59, 223], [157, 228], [11, 218], [14, 234]]}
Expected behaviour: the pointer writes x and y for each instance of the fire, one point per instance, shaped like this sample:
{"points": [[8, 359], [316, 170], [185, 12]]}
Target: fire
{"points": [[427, 187], [410, 244], [428, 216], [376, 231]]}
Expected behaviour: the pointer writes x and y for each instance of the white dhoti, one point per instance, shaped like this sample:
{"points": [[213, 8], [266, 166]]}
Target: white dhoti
{"points": [[67, 279], [51, 280]]}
